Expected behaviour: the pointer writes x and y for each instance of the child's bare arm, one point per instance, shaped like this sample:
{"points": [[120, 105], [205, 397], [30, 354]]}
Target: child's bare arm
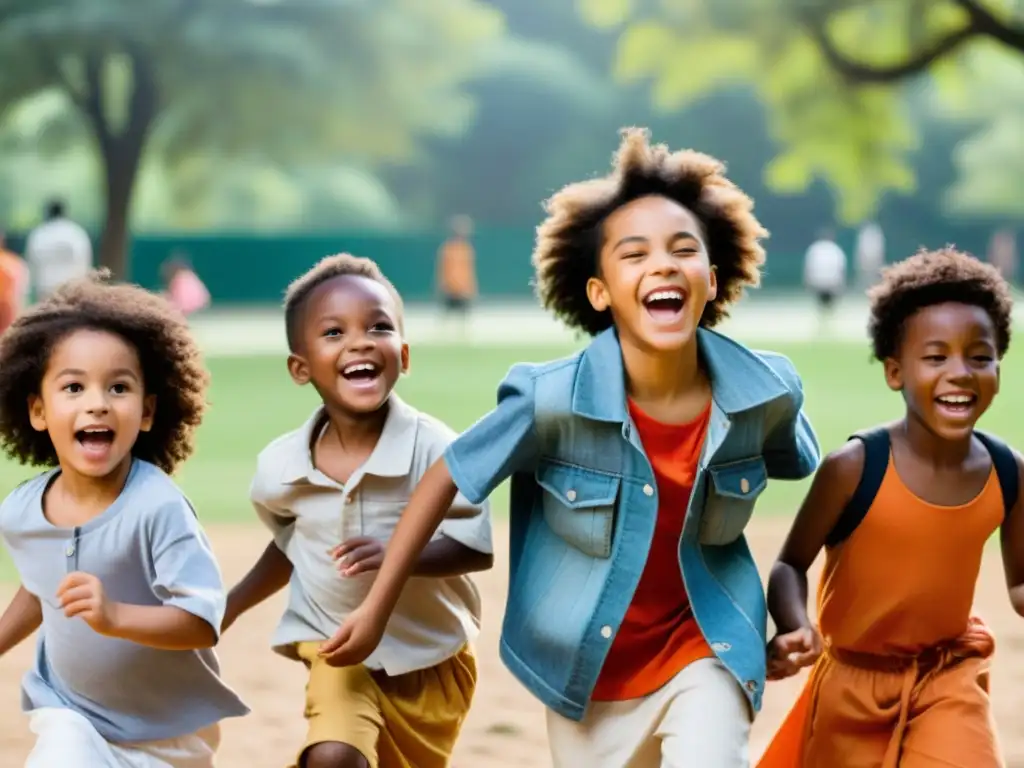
{"points": [[1011, 537], [440, 559], [268, 576], [22, 617], [446, 557], [831, 490]]}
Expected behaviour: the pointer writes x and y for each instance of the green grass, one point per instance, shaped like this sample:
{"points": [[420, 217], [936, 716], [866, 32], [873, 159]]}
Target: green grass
{"points": [[253, 400]]}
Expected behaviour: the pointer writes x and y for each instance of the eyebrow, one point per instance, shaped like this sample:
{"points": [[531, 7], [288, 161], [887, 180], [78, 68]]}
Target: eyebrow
{"points": [[79, 372], [681, 235]]}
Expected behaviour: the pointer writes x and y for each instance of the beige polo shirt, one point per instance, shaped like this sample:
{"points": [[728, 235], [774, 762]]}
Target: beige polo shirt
{"points": [[309, 514]]}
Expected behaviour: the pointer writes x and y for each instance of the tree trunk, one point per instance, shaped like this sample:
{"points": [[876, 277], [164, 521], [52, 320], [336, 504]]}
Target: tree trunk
{"points": [[121, 151]]}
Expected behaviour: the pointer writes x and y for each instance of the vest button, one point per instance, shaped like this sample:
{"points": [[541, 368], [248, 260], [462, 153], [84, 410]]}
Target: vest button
{"points": [[648, 491], [745, 485], [606, 632], [570, 495]]}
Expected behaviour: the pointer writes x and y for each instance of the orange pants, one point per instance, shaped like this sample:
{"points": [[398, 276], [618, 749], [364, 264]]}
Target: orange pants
{"points": [[929, 711]]}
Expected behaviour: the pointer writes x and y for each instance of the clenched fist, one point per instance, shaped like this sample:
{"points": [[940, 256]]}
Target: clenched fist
{"points": [[81, 594]]}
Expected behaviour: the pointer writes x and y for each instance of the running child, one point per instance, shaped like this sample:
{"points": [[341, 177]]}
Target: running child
{"points": [[103, 384], [635, 611], [903, 512], [344, 478]]}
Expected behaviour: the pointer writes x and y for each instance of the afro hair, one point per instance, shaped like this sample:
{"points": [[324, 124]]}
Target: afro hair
{"points": [[569, 239], [936, 277]]}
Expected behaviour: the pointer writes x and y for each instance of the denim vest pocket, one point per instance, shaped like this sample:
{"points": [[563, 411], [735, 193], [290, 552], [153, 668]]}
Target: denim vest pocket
{"points": [[733, 489], [579, 505]]}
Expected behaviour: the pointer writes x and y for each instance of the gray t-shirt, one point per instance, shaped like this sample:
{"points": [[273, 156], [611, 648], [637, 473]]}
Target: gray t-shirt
{"points": [[147, 548]]}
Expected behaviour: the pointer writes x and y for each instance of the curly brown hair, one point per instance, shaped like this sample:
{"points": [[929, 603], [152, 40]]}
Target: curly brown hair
{"points": [[569, 239], [328, 268], [936, 277], [172, 366]]}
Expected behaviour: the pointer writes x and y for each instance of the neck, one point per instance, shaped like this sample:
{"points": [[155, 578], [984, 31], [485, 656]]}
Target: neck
{"points": [[661, 377], [94, 492], [932, 448], [357, 432]]}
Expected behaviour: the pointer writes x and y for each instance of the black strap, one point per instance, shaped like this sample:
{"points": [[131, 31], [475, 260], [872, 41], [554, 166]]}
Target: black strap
{"points": [[876, 462], [1005, 464]]}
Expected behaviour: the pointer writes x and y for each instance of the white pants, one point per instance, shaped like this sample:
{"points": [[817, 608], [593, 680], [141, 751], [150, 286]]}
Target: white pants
{"points": [[700, 719], [65, 739]]}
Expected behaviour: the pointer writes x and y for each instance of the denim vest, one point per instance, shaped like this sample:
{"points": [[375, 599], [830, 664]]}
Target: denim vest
{"points": [[584, 503]]}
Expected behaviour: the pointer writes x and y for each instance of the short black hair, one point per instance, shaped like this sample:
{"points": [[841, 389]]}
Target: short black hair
{"points": [[328, 268], [936, 277], [172, 366], [55, 209], [569, 239]]}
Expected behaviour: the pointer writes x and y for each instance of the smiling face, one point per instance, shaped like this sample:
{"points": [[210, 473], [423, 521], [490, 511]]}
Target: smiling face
{"points": [[92, 402], [350, 347], [654, 273], [947, 367]]}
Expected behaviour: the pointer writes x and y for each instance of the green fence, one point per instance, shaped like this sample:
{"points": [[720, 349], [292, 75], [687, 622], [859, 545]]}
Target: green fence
{"points": [[247, 269]]}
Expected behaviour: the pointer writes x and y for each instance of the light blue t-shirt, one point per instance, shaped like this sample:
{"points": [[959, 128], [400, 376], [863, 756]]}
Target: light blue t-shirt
{"points": [[147, 548]]}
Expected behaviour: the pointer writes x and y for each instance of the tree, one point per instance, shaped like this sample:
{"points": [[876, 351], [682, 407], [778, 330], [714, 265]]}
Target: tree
{"points": [[289, 80], [846, 83]]}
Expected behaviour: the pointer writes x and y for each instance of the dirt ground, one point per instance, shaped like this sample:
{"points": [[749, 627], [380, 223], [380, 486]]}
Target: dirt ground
{"points": [[506, 727]]}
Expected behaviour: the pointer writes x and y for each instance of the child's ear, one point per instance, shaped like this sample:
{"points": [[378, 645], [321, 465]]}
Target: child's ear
{"points": [[148, 412], [712, 283], [36, 414], [405, 358], [299, 369], [893, 374], [597, 293]]}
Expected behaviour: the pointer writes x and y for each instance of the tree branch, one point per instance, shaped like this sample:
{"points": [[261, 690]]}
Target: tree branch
{"points": [[980, 23]]}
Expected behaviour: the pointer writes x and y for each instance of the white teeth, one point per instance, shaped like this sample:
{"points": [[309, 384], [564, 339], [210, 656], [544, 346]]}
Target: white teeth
{"points": [[96, 430], [665, 294], [956, 399], [356, 367]]}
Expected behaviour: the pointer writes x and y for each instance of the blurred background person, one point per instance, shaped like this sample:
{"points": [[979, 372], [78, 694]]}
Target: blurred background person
{"points": [[869, 254], [182, 285], [825, 272], [13, 284], [456, 272], [57, 250]]}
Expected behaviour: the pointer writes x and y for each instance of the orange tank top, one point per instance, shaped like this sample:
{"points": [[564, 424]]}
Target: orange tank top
{"points": [[905, 579]]}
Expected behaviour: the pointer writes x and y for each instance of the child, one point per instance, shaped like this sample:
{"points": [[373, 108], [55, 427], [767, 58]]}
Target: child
{"points": [[904, 512], [345, 476], [104, 384], [456, 271], [635, 611]]}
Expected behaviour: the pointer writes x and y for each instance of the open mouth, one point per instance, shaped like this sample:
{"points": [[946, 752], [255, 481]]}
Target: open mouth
{"points": [[361, 373], [959, 403], [95, 439], [665, 304]]}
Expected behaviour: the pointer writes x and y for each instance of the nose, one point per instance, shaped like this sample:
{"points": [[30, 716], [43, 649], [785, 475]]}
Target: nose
{"points": [[361, 342], [958, 369], [97, 401], [663, 263]]}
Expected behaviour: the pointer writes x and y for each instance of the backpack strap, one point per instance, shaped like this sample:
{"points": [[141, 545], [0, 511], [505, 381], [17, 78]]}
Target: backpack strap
{"points": [[1005, 465], [876, 462]]}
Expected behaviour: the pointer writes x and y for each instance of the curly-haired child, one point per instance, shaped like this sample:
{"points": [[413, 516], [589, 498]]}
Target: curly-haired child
{"points": [[635, 611], [903, 512], [103, 384]]}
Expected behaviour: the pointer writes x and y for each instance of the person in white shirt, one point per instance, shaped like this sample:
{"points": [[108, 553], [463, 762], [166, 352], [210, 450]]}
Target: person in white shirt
{"points": [[825, 271], [57, 250], [870, 253]]}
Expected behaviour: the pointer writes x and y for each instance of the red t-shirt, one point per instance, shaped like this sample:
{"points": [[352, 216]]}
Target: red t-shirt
{"points": [[659, 636]]}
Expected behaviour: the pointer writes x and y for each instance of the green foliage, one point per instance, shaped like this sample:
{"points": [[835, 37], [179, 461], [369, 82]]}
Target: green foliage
{"points": [[855, 129], [250, 96]]}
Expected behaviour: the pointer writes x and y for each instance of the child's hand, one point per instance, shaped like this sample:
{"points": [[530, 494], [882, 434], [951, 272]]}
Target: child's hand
{"points": [[360, 554], [81, 594], [355, 640], [790, 652]]}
